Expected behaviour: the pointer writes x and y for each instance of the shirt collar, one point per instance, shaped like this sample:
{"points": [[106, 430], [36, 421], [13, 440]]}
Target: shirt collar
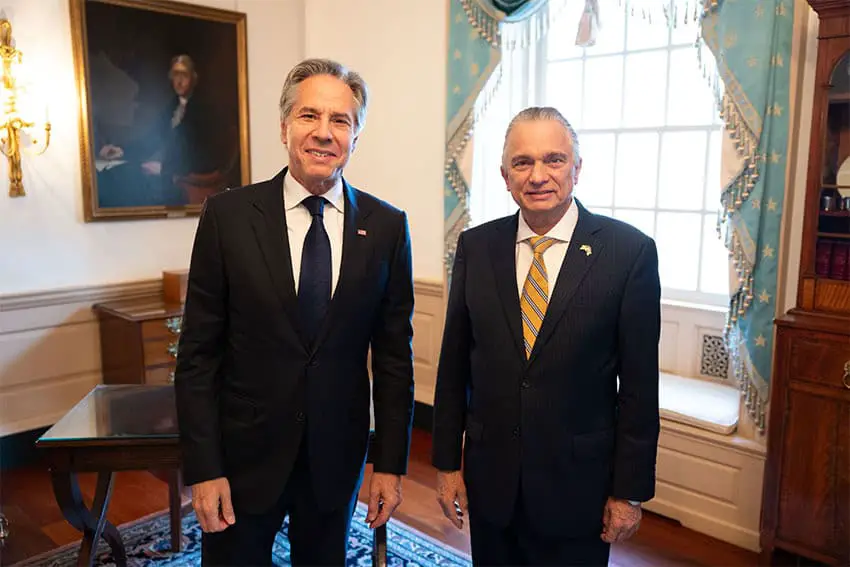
{"points": [[294, 193], [563, 231]]}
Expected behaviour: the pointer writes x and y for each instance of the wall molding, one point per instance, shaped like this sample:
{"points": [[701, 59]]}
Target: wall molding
{"points": [[138, 288], [50, 347], [430, 288], [81, 294]]}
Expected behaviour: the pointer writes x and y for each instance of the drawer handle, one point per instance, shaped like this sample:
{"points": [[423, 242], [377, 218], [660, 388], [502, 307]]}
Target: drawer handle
{"points": [[172, 349], [846, 378], [173, 324]]}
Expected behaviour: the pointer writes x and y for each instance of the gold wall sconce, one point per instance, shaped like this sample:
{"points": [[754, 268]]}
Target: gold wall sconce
{"points": [[13, 122]]}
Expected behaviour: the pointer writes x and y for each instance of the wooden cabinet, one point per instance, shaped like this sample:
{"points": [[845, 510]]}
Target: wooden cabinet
{"points": [[138, 340], [806, 498], [807, 477]]}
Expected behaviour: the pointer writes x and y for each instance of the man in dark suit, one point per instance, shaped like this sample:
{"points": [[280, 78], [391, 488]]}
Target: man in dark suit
{"points": [[292, 281], [549, 365]]}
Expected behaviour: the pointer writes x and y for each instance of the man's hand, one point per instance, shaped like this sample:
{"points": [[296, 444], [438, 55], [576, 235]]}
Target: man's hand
{"points": [[111, 152], [211, 501], [620, 520], [451, 494], [384, 498]]}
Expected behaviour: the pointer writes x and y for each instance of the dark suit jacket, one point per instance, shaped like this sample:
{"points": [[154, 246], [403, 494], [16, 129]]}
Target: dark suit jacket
{"points": [[191, 146], [247, 385], [553, 429]]}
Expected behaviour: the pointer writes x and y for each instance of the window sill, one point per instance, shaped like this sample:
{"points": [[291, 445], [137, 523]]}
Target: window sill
{"points": [[691, 306], [713, 419]]}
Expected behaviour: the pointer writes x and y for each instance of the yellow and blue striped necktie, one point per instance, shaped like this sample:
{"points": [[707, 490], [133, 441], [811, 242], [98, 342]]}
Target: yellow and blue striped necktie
{"points": [[535, 293]]}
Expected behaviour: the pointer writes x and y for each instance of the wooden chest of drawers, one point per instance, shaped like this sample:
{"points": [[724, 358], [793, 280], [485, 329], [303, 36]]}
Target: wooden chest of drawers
{"points": [[138, 340]]}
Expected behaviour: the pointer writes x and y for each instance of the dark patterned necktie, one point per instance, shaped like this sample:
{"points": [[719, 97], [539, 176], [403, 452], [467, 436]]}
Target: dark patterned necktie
{"points": [[314, 284]]}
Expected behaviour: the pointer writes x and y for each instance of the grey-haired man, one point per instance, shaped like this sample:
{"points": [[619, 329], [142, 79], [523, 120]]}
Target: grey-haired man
{"points": [[292, 282]]}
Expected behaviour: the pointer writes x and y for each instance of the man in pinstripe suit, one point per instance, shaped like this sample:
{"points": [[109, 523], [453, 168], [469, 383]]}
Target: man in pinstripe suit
{"points": [[549, 366]]}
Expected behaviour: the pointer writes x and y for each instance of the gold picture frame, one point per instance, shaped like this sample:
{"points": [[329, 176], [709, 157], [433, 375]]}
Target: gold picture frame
{"points": [[163, 90]]}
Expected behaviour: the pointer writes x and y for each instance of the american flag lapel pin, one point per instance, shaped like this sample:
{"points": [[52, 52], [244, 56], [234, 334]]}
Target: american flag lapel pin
{"points": [[361, 232]]}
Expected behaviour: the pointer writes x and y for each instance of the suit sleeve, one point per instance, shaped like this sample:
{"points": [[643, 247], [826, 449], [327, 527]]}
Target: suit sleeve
{"points": [[450, 401], [200, 354], [638, 419], [392, 363]]}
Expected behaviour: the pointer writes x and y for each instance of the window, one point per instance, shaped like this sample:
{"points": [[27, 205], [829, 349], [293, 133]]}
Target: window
{"points": [[649, 130]]}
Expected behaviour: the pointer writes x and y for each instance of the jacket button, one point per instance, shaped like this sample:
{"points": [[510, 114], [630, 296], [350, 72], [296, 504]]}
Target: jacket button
{"points": [[299, 416], [525, 384], [313, 363], [516, 431]]}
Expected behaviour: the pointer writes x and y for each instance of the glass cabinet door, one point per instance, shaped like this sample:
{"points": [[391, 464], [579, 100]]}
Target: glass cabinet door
{"points": [[832, 258]]}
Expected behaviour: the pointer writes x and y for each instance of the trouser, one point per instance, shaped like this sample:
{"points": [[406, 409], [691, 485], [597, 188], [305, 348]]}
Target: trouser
{"points": [[316, 537]]}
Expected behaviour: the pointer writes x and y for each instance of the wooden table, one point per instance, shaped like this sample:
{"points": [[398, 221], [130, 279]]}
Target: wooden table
{"points": [[114, 428]]}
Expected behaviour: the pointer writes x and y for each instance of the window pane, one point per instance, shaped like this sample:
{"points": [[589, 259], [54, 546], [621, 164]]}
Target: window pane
{"points": [[563, 89], [645, 88], [603, 80], [684, 32], [488, 197], [596, 179], [561, 39], [678, 238], [690, 101], [641, 220], [636, 170], [714, 276], [712, 186], [641, 34], [600, 211], [612, 33], [681, 183]]}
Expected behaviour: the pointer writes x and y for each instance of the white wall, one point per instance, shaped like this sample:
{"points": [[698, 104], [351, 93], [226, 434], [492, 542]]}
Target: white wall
{"points": [[399, 48], [45, 243]]}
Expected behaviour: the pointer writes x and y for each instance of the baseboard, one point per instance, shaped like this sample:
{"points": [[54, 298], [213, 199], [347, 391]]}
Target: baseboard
{"points": [[18, 450], [423, 417]]}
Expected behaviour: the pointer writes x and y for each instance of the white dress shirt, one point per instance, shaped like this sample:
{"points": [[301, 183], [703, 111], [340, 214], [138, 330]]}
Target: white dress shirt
{"points": [[553, 257], [298, 221]]}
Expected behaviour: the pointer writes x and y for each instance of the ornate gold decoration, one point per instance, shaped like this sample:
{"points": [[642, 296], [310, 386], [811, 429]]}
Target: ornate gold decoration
{"points": [[13, 122]]}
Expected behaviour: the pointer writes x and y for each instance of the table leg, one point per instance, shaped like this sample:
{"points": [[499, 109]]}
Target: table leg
{"points": [[92, 523], [175, 505], [4, 529], [379, 546]]}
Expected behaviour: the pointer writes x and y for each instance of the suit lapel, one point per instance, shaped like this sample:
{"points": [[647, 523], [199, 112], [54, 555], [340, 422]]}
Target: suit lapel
{"points": [[503, 257], [269, 224], [576, 264], [355, 256]]}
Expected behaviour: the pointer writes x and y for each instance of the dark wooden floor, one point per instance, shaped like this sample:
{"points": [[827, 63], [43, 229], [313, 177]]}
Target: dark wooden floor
{"points": [[37, 524]]}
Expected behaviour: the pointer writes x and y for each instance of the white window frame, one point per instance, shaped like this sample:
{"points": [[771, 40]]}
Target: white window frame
{"points": [[530, 69]]}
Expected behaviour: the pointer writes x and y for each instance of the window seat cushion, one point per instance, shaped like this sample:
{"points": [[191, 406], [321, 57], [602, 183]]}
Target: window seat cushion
{"points": [[699, 403]]}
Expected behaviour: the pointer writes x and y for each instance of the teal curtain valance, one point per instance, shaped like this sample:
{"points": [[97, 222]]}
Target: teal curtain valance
{"points": [[509, 6]]}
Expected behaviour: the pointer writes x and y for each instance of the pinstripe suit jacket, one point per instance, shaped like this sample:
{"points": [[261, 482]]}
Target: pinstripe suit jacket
{"points": [[578, 420]]}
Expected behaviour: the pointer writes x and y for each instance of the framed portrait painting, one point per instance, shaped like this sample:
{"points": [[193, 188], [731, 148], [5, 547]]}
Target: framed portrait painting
{"points": [[163, 105]]}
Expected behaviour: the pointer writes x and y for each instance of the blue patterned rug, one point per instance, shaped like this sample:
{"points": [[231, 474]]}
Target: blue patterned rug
{"points": [[147, 544]]}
